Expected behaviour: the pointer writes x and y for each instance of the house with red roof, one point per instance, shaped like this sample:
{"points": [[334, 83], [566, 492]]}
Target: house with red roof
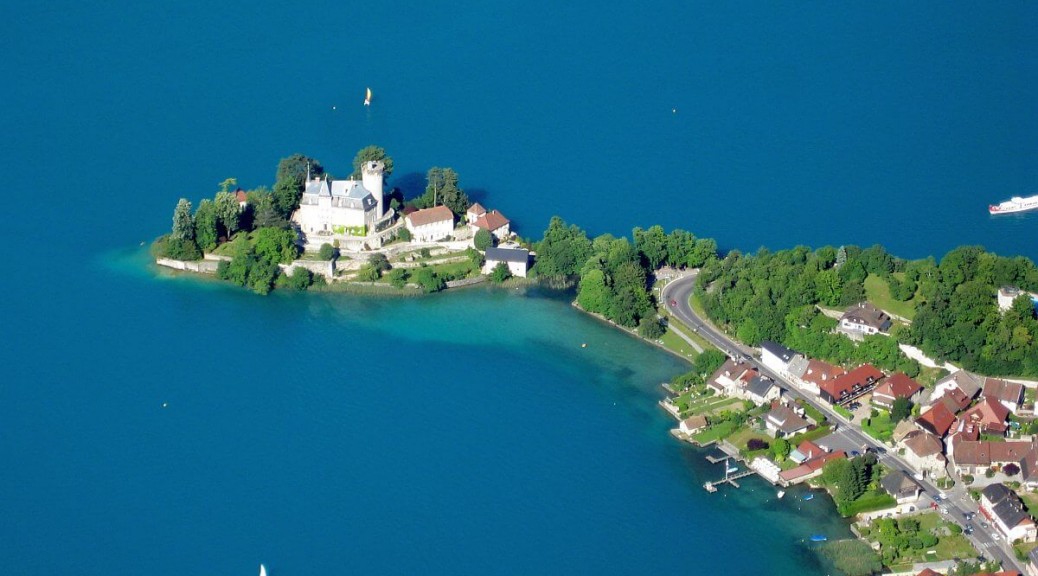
{"points": [[430, 224], [493, 222], [850, 385], [937, 420], [809, 373], [474, 212], [895, 386], [811, 466], [989, 416]]}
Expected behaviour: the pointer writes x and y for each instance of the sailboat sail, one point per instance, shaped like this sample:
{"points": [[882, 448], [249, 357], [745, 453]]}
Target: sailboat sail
{"points": [[367, 98]]}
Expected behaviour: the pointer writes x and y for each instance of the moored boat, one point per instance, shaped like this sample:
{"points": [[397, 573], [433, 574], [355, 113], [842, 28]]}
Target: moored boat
{"points": [[1014, 204]]}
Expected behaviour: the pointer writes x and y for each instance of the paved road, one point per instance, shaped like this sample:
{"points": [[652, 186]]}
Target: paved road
{"points": [[675, 296]]}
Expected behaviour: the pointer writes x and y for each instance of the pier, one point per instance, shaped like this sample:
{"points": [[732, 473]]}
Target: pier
{"points": [[729, 476]]}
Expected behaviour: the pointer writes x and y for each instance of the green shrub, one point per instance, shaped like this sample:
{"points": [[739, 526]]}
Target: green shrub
{"points": [[327, 251]]}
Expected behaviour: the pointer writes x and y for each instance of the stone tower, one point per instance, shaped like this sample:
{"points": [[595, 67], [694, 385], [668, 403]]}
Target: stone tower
{"points": [[371, 177]]}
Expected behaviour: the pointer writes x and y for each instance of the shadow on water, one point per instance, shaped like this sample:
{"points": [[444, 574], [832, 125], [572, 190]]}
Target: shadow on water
{"points": [[411, 184]]}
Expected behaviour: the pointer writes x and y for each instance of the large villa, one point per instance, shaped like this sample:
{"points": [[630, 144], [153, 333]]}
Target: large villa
{"points": [[344, 208]]}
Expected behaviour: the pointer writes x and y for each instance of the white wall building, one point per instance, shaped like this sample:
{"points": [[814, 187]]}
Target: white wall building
{"points": [[517, 259], [430, 224]]}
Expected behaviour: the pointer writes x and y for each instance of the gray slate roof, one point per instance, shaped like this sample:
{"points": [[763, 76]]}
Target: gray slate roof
{"points": [[759, 386], [1005, 504], [778, 350], [508, 254], [900, 485], [798, 365]]}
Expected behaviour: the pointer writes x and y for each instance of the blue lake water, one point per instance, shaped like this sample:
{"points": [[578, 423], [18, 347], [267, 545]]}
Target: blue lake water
{"points": [[467, 432]]}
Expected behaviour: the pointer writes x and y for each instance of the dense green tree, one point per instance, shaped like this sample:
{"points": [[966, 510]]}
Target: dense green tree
{"points": [[442, 189], [563, 250], [206, 221], [368, 273], [285, 198], [398, 277], [650, 327], [704, 251], [652, 244], [483, 240], [901, 409], [327, 252], [369, 153], [428, 280], [379, 262], [500, 273], [680, 245], [780, 447], [300, 279], [593, 295], [228, 212], [294, 168], [275, 245], [709, 361], [404, 234], [183, 224]]}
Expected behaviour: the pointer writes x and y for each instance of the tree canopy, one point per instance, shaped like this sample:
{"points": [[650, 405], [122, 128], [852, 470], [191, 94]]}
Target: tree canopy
{"points": [[369, 153]]}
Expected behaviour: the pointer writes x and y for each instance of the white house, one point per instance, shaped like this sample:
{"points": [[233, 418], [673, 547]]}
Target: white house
{"points": [[925, 452], [517, 260], [1005, 510], [693, 424], [342, 206], [864, 318], [964, 382], [776, 356], [474, 212], [430, 224]]}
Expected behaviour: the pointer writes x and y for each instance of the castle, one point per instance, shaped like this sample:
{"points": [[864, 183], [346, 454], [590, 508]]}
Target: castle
{"points": [[342, 206]]}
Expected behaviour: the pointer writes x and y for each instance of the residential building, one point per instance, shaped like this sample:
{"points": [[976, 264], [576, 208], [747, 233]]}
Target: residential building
{"points": [[1010, 394], [809, 374], [776, 356], [895, 386], [967, 384], [975, 457], [925, 453], [517, 260], [901, 486], [937, 420], [759, 390], [864, 319], [810, 467], [989, 416], [784, 421], [850, 385], [731, 375], [1006, 512], [430, 224], [493, 222], [693, 424], [474, 212]]}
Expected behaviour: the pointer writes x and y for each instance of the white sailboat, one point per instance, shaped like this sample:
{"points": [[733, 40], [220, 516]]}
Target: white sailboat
{"points": [[263, 570], [367, 98]]}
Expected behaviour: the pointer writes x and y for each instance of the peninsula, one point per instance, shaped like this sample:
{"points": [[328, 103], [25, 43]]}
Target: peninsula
{"points": [[905, 388]]}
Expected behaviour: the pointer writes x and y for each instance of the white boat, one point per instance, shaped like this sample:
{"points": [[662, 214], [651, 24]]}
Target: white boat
{"points": [[781, 493], [1014, 204], [367, 98], [263, 570]]}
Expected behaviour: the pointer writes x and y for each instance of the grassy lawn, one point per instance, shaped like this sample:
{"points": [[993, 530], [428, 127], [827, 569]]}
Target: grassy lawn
{"points": [[722, 430], [743, 435], [843, 412], [820, 432], [1030, 500], [948, 547], [706, 405], [674, 343], [813, 413], [877, 291], [879, 427]]}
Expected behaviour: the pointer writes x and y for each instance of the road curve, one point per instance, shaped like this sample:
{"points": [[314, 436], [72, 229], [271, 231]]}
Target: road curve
{"points": [[675, 296]]}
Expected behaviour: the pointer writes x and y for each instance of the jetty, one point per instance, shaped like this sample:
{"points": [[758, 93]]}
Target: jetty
{"points": [[731, 474]]}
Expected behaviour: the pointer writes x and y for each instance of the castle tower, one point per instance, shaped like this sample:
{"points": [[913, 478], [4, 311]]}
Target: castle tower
{"points": [[371, 177]]}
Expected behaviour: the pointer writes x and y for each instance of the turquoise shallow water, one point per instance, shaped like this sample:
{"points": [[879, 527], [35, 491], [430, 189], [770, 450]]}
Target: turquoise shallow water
{"points": [[468, 432]]}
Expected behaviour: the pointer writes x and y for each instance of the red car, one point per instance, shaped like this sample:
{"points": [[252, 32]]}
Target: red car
{"points": [[673, 302]]}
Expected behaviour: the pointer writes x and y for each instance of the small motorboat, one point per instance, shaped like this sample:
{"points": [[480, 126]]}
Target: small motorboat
{"points": [[781, 493], [818, 538], [809, 496]]}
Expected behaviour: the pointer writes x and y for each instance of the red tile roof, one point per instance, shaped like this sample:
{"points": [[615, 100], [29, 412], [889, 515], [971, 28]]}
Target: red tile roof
{"points": [[897, 385], [938, 419], [955, 400], [430, 215], [861, 376], [819, 371], [491, 221], [476, 209], [989, 414]]}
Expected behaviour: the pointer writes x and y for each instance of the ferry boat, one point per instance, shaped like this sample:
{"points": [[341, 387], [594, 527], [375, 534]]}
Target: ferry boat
{"points": [[1014, 204]]}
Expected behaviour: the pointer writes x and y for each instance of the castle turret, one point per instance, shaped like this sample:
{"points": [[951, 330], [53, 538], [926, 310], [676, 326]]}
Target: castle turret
{"points": [[371, 177]]}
